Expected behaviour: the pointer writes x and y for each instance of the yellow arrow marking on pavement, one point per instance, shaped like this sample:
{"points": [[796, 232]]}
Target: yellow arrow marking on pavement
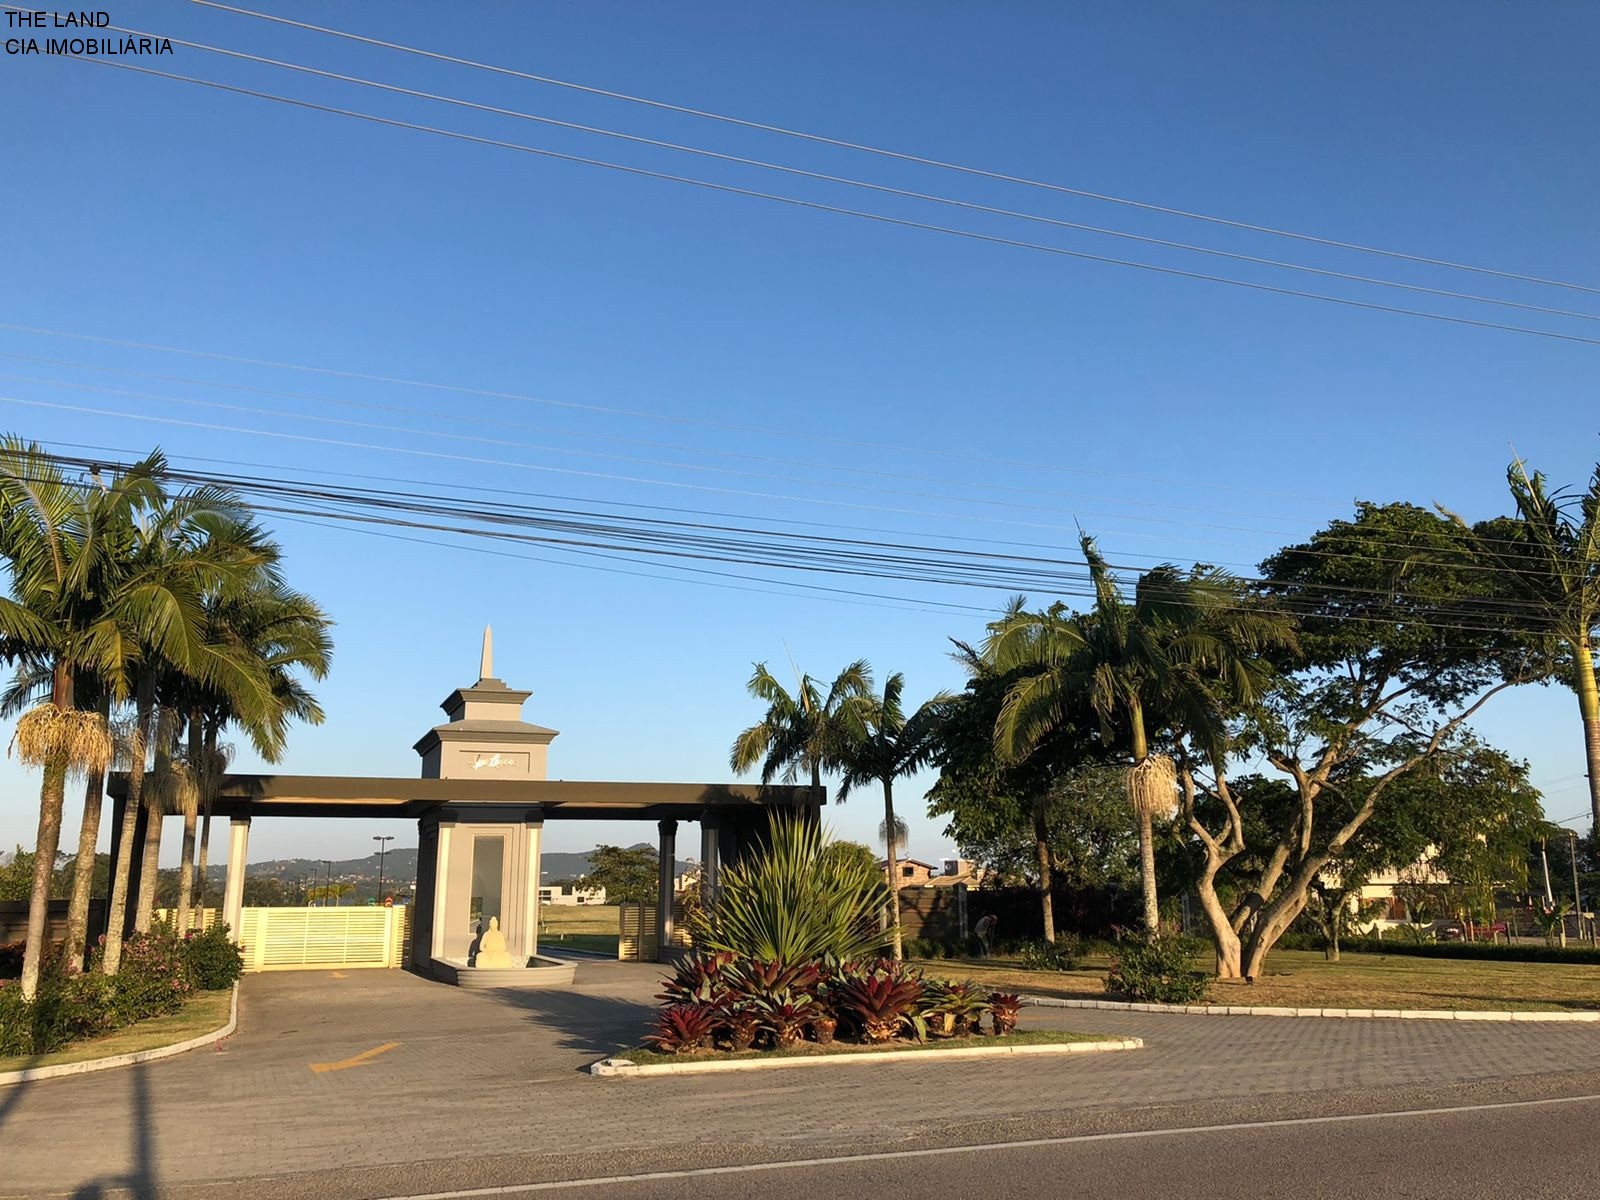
{"points": [[340, 975], [355, 1060]]}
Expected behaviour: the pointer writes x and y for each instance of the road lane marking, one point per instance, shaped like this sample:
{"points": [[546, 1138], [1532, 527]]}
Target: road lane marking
{"points": [[355, 1060], [797, 1164], [340, 975]]}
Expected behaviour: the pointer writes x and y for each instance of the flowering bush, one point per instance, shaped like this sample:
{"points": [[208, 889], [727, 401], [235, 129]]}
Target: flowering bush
{"points": [[213, 959]]}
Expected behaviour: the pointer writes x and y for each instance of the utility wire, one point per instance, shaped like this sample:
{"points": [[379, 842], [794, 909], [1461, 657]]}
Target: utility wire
{"points": [[840, 210], [882, 189], [901, 156]]}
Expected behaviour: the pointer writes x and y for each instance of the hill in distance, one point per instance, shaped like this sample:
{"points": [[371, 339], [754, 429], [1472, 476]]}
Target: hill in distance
{"points": [[400, 867]]}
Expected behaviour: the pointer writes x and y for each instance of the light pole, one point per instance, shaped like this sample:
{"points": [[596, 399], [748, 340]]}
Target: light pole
{"points": [[328, 892], [383, 840], [1577, 900]]}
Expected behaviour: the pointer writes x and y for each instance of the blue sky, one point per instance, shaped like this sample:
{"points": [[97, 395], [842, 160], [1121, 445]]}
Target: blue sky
{"points": [[883, 377]]}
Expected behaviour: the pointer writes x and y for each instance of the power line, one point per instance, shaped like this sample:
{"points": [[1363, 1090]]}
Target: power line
{"points": [[847, 181], [901, 156], [840, 210], [749, 546]]}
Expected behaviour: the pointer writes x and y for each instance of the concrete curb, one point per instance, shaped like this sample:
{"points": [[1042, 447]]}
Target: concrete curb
{"points": [[31, 1074], [612, 1068], [1235, 1010]]}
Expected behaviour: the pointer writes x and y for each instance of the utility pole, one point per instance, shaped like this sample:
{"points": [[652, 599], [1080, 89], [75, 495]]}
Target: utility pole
{"points": [[383, 841]]}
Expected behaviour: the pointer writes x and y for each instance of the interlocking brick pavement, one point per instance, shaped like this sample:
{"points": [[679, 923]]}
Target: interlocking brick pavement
{"points": [[478, 1075]]}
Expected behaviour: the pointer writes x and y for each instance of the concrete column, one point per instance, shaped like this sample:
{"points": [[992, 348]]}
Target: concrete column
{"points": [[530, 944], [441, 885], [233, 890], [664, 892], [710, 859]]}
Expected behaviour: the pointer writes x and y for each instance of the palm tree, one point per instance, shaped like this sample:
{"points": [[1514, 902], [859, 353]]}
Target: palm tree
{"points": [[286, 634], [799, 732], [197, 543], [56, 539], [1547, 561], [1140, 666], [886, 745]]}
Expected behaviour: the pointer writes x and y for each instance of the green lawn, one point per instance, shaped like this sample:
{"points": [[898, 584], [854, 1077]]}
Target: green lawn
{"points": [[578, 918], [599, 943], [1020, 1037], [203, 1012], [1304, 979]]}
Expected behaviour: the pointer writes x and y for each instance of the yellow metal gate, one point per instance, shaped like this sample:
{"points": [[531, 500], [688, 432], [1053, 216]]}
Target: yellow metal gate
{"points": [[285, 939]]}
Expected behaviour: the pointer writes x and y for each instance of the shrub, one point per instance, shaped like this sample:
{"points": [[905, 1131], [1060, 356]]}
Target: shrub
{"points": [[794, 902], [1157, 971], [698, 977], [213, 959], [785, 1016], [681, 1027], [1059, 955], [153, 978], [1489, 951], [954, 1008]]}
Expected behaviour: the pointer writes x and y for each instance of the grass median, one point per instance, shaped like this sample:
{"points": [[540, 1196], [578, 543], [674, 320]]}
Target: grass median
{"points": [[1304, 979], [201, 1013]]}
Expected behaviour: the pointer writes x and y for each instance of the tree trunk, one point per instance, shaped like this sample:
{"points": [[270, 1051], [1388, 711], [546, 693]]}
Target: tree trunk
{"points": [[191, 813], [155, 805], [1147, 847], [1589, 708], [52, 796], [894, 870], [1041, 844], [76, 948], [122, 869], [1224, 937], [1332, 952], [1147, 875]]}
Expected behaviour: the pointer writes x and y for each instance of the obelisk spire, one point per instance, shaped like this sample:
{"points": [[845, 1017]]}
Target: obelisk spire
{"points": [[486, 663]]}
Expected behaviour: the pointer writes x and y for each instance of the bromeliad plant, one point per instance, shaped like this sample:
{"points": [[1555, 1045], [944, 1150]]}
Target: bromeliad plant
{"points": [[682, 1027], [883, 1000], [954, 1009], [1003, 1010]]}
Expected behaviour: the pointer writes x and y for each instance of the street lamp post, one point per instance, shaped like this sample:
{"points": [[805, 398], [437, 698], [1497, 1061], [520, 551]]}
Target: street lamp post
{"points": [[383, 840], [1577, 899], [328, 890]]}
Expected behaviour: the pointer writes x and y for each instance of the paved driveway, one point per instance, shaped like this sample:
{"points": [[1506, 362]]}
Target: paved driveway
{"points": [[422, 1082]]}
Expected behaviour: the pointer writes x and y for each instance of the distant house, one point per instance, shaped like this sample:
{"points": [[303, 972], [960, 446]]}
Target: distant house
{"points": [[913, 872], [571, 894], [949, 872]]}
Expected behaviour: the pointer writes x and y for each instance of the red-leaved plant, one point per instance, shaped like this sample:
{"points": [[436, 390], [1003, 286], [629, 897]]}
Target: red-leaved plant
{"points": [[682, 1027]]}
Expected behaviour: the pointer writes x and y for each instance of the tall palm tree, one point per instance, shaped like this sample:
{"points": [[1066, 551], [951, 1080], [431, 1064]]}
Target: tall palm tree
{"points": [[190, 545], [885, 746], [802, 731], [286, 634], [65, 617], [1151, 664], [1547, 560]]}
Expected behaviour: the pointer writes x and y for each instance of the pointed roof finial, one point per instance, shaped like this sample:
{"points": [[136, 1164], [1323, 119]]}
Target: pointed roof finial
{"points": [[486, 663]]}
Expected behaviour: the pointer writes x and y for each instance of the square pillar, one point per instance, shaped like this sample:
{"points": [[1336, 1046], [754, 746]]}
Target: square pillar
{"points": [[530, 924], [664, 890], [233, 890]]}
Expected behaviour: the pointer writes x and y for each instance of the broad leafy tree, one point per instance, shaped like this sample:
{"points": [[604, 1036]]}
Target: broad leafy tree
{"points": [[1385, 674], [629, 875]]}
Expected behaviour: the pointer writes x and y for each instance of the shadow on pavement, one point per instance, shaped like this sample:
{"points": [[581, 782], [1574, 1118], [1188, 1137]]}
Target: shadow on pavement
{"points": [[587, 1022], [141, 1181]]}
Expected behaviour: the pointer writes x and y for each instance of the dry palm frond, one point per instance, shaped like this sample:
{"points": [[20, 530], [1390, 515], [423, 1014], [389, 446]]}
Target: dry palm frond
{"points": [[1153, 787], [49, 735], [174, 787]]}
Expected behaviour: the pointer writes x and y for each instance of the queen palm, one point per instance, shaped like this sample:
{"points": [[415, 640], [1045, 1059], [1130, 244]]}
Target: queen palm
{"points": [[1547, 561], [1146, 666], [880, 745], [285, 634], [69, 615], [798, 732]]}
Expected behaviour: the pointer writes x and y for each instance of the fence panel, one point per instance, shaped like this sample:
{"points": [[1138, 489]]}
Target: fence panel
{"points": [[277, 939]]}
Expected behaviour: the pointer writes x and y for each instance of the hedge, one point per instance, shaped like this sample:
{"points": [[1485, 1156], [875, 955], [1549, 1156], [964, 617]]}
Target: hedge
{"points": [[1483, 951]]}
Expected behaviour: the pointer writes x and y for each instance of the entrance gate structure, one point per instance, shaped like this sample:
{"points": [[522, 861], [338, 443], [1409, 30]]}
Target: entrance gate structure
{"points": [[481, 805]]}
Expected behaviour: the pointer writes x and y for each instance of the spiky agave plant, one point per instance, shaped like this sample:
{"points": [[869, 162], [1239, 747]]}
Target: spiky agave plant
{"points": [[792, 902]]}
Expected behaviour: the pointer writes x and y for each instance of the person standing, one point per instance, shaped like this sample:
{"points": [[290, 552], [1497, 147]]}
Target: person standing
{"points": [[985, 931]]}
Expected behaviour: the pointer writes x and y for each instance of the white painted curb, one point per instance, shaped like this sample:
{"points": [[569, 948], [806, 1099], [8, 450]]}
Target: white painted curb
{"points": [[1237, 1010], [621, 1067], [30, 1074]]}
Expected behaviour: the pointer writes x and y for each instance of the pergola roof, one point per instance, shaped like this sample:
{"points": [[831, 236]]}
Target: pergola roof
{"points": [[376, 796]]}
